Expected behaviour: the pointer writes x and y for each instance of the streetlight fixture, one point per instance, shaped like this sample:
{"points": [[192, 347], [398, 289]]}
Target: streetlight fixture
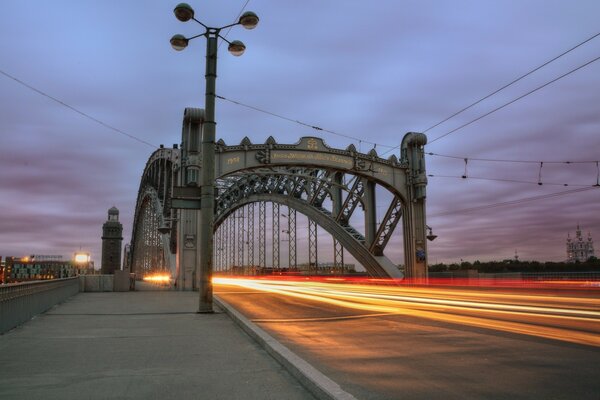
{"points": [[184, 12], [431, 237]]}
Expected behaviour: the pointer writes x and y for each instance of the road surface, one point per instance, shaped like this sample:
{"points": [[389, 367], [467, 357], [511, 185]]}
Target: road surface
{"points": [[385, 342]]}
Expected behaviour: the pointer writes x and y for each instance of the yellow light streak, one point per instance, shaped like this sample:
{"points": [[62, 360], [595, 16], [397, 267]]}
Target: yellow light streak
{"points": [[157, 278], [535, 315]]}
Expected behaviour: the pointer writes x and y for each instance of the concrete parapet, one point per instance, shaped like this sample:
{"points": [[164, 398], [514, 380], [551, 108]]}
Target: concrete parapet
{"points": [[121, 281], [96, 283], [21, 301]]}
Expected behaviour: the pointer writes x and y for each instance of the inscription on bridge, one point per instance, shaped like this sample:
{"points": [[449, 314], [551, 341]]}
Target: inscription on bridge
{"points": [[286, 156], [233, 160]]}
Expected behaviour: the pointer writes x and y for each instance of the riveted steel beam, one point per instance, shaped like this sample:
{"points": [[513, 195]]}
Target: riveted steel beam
{"points": [[313, 249], [376, 266], [276, 228], [387, 226], [262, 227]]}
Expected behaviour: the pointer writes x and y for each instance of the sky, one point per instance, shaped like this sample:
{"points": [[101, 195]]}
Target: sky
{"points": [[368, 70]]}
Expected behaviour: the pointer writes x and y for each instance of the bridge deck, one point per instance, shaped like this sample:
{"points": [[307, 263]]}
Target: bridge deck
{"points": [[137, 345]]}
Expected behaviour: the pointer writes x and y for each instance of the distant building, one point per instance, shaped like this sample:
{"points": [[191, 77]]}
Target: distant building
{"points": [[14, 269], [112, 237], [579, 249]]}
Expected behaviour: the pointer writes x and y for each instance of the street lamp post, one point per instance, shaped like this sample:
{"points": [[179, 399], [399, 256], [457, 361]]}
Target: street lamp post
{"points": [[248, 20]]}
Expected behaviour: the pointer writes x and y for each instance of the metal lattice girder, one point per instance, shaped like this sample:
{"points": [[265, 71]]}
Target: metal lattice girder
{"points": [[293, 258], [322, 189], [352, 200], [387, 226], [313, 253], [297, 171], [150, 254], [250, 232], [262, 227], [215, 261], [299, 186], [223, 234], [218, 249], [338, 256], [223, 254], [275, 232], [150, 251], [226, 245], [240, 237], [232, 236]]}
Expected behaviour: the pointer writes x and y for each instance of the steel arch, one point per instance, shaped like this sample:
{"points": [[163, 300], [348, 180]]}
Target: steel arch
{"points": [[152, 251], [377, 266], [302, 176]]}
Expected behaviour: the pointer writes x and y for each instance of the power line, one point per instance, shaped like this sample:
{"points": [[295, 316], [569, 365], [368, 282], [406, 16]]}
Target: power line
{"points": [[511, 161], [511, 202], [305, 124], [539, 183], [237, 19], [514, 100], [77, 110], [512, 82]]}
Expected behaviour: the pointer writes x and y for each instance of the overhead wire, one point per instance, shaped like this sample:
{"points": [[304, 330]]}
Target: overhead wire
{"points": [[317, 128], [391, 148], [510, 202], [237, 19], [538, 182], [500, 160], [511, 82], [86, 115], [514, 100]]}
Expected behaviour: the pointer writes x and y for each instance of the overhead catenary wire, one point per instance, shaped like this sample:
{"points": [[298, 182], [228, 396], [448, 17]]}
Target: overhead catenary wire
{"points": [[500, 160], [237, 19], [359, 140], [506, 104], [510, 202], [481, 178], [511, 82], [514, 100], [86, 115]]}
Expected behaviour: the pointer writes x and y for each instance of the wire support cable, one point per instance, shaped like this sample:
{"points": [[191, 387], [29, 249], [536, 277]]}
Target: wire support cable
{"points": [[306, 124], [512, 161], [511, 82], [237, 19], [511, 202], [514, 100], [88, 116], [538, 182]]}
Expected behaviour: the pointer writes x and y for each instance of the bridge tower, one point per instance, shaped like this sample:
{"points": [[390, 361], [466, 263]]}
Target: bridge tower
{"points": [[112, 236]]}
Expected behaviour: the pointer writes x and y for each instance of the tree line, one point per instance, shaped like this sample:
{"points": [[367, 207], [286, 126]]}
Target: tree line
{"points": [[512, 265]]}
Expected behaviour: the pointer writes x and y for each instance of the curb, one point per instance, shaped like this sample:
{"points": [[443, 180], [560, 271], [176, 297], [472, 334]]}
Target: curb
{"points": [[322, 387]]}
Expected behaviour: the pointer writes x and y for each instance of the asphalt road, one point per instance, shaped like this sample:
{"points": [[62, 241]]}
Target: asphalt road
{"points": [[427, 343]]}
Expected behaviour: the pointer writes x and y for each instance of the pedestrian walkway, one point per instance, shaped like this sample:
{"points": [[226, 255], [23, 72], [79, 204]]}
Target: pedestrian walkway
{"points": [[137, 345]]}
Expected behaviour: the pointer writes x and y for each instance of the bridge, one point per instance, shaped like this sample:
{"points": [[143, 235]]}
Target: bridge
{"points": [[256, 183], [334, 339]]}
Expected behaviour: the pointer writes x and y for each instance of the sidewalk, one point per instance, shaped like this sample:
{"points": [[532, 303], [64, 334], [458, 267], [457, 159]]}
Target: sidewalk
{"points": [[138, 345]]}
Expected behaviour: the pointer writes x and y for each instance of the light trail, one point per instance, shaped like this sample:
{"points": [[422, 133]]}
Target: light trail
{"points": [[565, 318], [165, 279]]}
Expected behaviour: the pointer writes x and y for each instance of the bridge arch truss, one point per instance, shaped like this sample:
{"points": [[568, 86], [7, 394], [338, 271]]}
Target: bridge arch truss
{"points": [[308, 177]]}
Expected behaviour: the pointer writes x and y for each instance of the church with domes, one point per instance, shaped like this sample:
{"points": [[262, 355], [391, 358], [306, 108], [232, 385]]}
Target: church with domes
{"points": [[579, 249]]}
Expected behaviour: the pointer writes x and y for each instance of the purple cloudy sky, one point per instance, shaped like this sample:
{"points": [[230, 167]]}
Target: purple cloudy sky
{"points": [[371, 70]]}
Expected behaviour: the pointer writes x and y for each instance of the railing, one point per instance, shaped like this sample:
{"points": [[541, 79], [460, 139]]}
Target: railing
{"points": [[21, 301], [589, 279]]}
